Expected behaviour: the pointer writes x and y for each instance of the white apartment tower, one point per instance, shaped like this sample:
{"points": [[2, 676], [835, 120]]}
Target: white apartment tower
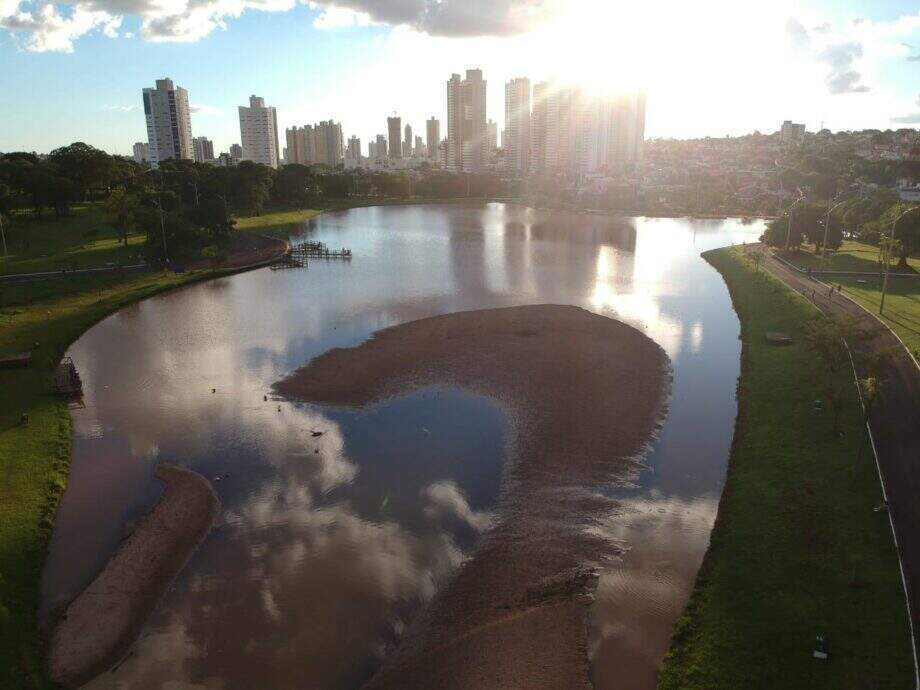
{"points": [[169, 125], [467, 140], [538, 128], [394, 132], [408, 141], [141, 152], [516, 138], [204, 149], [259, 132], [432, 136]]}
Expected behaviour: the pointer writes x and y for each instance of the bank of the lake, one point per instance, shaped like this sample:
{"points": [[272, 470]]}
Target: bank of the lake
{"points": [[797, 549], [44, 318]]}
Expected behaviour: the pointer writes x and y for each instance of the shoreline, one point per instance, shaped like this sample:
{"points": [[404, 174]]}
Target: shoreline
{"points": [[97, 628], [797, 520], [584, 394]]}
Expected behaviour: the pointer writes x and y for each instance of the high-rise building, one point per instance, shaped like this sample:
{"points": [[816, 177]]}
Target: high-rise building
{"points": [[259, 132], [538, 128], [141, 152], [432, 136], [516, 137], [791, 133], [204, 149], [301, 145], [394, 130], [467, 139], [381, 148], [419, 148], [562, 128], [169, 124], [236, 153], [372, 150], [329, 143], [407, 142], [353, 151], [492, 135]]}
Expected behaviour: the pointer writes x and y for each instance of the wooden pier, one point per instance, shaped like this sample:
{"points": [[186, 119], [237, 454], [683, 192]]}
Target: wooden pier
{"points": [[66, 379], [319, 250]]}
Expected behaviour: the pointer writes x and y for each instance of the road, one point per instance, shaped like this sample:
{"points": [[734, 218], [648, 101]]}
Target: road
{"points": [[894, 421]]}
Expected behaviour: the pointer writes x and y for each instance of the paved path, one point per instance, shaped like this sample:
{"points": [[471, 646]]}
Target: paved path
{"points": [[894, 422]]}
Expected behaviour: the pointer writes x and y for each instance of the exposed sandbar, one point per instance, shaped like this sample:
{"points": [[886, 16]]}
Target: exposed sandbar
{"points": [[99, 626], [583, 394]]}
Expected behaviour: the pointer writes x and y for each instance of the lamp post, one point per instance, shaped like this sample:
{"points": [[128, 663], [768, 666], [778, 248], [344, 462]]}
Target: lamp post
{"points": [[894, 227], [2, 233], [827, 221], [789, 224]]}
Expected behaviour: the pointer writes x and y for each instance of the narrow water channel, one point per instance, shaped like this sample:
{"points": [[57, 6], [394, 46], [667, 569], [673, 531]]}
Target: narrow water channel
{"points": [[338, 525]]}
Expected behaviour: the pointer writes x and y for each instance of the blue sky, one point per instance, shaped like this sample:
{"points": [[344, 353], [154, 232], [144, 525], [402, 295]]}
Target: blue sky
{"points": [[74, 72]]}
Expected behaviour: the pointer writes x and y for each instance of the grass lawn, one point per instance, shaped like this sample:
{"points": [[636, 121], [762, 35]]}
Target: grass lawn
{"points": [[852, 256], [83, 239], [797, 550], [275, 223], [902, 305]]}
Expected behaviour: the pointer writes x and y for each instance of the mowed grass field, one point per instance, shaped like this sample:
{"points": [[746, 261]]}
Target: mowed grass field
{"points": [[797, 549]]}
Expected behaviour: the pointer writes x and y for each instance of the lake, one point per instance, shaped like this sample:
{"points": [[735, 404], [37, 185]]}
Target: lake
{"points": [[339, 525]]}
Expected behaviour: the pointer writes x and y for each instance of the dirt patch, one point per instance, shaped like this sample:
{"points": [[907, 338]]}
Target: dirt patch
{"points": [[583, 394], [99, 626]]}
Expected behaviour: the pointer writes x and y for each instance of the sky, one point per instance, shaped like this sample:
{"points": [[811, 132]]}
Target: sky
{"points": [[74, 71]]}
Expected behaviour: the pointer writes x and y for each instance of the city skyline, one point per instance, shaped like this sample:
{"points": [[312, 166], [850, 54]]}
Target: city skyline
{"points": [[812, 64]]}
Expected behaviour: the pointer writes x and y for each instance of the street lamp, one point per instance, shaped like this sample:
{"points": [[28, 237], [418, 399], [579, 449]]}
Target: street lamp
{"points": [[2, 233], [789, 224], [894, 227], [827, 221]]}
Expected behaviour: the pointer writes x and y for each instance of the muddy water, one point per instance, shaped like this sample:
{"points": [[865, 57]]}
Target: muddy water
{"points": [[339, 525]]}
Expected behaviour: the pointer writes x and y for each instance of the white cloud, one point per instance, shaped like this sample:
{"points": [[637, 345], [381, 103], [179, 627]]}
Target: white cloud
{"points": [[46, 28]]}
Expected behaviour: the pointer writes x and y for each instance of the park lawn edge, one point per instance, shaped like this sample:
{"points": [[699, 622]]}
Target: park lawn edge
{"points": [[35, 459], [751, 621]]}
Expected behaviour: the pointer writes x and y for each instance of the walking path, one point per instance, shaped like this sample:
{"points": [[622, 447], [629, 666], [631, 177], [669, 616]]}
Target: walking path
{"points": [[894, 422]]}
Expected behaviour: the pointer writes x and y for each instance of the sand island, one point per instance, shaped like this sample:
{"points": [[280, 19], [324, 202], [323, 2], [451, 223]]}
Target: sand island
{"points": [[583, 394], [99, 626]]}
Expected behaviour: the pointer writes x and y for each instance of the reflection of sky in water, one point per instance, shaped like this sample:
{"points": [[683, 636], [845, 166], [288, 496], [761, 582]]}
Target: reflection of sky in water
{"points": [[329, 543]]}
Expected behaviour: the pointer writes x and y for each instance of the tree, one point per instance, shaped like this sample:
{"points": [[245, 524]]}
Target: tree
{"points": [[253, 183], [120, 207], [84, 165]]}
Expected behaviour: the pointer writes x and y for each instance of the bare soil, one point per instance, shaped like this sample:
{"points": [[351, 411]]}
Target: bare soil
{"points": [[583, 394], [99, 626]]}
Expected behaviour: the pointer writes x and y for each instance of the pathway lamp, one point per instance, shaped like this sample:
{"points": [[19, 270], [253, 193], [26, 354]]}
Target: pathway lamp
{"points": [[789, 224], [891, 240]]}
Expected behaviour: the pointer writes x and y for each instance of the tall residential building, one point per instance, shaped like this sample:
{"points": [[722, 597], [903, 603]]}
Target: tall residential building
{"points": [[236, 153], [492, 135], [372, 150], [516, 138], [169, 124], [394, 132], [141, 152], [432, 136], [259, 132], [204, 149], [791, 133], [419, 149], [538, 128], [467, 140], [353, 151], [562, 104], [407, 142], [301, 145], [381, 149], [329, 143]]}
